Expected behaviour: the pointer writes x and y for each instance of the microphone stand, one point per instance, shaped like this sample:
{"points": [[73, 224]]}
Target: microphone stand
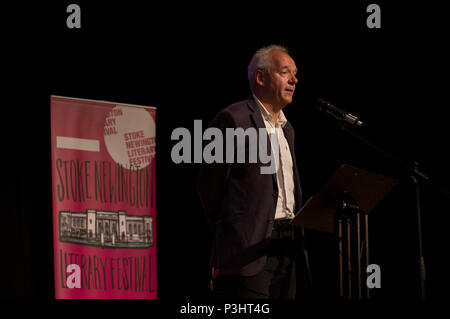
{"points": [[416, 175]]}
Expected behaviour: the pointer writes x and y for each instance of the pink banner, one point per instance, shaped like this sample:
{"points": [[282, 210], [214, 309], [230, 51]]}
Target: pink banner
{"points": [[103, 192]]}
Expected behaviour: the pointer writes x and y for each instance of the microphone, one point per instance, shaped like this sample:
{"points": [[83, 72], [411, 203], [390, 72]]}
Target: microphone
{"points": [[337, 113]]}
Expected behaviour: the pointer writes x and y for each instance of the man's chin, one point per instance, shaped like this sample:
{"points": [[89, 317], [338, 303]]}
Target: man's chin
{"points": [[287, 101]]}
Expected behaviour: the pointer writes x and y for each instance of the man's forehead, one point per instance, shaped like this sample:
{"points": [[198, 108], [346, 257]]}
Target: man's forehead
{"points": [[283, 60]]}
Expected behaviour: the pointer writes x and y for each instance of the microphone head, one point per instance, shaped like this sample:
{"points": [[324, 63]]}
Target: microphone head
{"points": [[337, 113], [320, 103]]}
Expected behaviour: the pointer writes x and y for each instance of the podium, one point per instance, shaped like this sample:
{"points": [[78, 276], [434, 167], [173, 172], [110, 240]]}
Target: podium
{"points": [[350, 194]]}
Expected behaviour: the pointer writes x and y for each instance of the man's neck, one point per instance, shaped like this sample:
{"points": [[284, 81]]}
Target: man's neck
{"points": [[271, 108]]}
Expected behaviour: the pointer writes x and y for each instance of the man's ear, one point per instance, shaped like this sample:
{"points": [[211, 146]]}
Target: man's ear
{"points": [[259, 77]]}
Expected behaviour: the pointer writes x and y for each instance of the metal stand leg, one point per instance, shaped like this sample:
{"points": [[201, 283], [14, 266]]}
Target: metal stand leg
{"points": [[341, 274], [349, 259], [422, 273], [358, 230], [351, 213], [367, 249]]}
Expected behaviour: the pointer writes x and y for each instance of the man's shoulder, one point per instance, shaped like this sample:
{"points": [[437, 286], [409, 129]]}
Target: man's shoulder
{"points": [[237, 108]]}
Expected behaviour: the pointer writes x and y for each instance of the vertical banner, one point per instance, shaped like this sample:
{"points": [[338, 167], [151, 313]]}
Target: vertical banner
{"points": [[103, 193]]}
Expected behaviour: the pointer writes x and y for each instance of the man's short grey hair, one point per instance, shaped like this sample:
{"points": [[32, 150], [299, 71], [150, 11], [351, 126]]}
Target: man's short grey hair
{"points": [[261, 60]]}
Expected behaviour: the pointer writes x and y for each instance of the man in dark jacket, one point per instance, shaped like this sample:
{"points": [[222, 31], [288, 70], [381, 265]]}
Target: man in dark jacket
{"points": [[256, 251]]}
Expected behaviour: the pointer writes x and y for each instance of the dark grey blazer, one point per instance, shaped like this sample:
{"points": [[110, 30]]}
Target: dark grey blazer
{"points": [[239, 201]]}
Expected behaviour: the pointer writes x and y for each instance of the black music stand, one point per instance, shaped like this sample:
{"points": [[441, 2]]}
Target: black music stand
{"points": [[349, 193]]}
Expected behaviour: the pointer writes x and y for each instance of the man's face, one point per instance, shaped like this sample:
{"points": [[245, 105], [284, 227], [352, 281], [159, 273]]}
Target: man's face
{"points": [[281, 79]]}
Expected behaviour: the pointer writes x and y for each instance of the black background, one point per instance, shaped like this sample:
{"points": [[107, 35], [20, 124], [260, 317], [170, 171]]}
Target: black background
{"points": [[190, 60]]}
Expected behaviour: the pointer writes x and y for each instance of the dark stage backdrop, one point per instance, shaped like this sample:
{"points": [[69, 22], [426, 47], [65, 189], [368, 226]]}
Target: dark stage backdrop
{"points": [[190, 61]]}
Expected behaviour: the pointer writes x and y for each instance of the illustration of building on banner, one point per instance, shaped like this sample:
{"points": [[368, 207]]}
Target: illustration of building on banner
{"points": [[106, 229]]}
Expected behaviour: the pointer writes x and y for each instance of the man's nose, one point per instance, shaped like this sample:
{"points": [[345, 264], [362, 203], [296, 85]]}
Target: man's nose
{"points": [[293, 79]]}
